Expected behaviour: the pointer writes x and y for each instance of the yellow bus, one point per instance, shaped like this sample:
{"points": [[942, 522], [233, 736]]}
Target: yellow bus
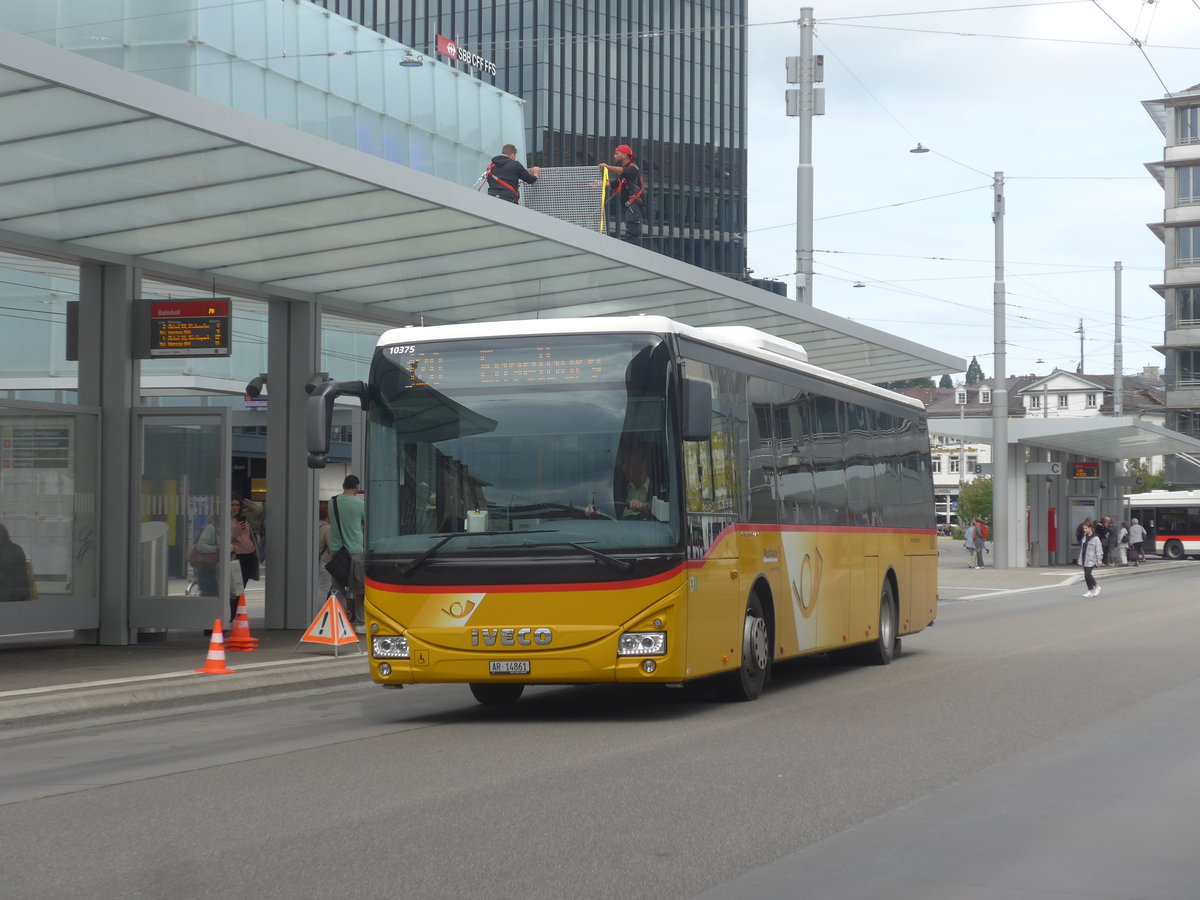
{"points": [[631, 500]]}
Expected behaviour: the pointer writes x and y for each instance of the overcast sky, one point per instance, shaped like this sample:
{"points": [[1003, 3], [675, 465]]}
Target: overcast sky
{"points": [[1050, 94]]}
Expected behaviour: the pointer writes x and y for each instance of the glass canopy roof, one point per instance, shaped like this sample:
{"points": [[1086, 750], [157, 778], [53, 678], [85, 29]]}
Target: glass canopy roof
{"points": [[101, 164]]}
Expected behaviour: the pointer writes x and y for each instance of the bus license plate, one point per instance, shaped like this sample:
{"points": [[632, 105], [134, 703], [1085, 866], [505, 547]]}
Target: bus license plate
{"points": [[509, 667]]}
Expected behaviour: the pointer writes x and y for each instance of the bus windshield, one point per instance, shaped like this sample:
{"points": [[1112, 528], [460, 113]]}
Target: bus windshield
{"points": [[548, 444]]}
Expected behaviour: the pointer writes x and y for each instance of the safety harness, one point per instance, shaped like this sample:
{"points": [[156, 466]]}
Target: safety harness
{"points": [[641, 187], [488, 176]]}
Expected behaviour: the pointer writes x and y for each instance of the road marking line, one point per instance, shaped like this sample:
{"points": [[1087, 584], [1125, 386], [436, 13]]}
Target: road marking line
{"points": [[134, 679]]}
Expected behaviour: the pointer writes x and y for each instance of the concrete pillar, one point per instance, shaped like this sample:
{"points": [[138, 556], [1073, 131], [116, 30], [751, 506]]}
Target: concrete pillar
{"points": [[1013, 521], [109, 379], [293, 356]]}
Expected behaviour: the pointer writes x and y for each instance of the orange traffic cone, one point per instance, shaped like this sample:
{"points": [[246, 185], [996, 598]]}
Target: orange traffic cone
{"points": [[240, 639], [215, 663]]}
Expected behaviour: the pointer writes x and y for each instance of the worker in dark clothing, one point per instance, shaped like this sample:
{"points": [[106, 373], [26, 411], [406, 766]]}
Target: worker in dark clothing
{"points": [[630, 191], [505, 174]]}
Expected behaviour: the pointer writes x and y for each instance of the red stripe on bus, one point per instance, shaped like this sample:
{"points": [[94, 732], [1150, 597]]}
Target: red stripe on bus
{"points": [[523, 588]]}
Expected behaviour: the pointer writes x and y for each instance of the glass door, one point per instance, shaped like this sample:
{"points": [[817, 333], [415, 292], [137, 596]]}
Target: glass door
{"points": [[181, 527]]}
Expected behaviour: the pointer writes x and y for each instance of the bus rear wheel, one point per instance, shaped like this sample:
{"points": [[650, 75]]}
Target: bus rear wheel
{"points": [[497, 694], [1173, 550], [747, 683], [883, 649]]}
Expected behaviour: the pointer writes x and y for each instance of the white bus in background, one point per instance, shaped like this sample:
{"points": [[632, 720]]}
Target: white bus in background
{"points": [[1171, 520]]}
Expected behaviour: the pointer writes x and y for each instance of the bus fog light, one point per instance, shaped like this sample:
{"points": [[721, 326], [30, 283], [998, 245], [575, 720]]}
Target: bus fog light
{"points": [[385, 670], [390, 646], [648, 666], [642, 643]]}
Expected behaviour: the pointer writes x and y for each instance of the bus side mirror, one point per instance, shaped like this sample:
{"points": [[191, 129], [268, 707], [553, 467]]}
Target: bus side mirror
{"points": [[697, 410], [319, 418]]}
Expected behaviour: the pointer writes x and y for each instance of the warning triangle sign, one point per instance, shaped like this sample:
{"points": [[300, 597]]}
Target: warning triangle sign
{"points": [[330, 627]]}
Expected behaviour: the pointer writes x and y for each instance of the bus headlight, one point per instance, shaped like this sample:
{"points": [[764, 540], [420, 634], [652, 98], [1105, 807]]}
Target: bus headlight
{"points": [[642, 643], [390, 646]]}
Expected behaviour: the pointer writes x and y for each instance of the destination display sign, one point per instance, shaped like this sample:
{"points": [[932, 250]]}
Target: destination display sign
{"points": [[186, 328], [512, 365]]}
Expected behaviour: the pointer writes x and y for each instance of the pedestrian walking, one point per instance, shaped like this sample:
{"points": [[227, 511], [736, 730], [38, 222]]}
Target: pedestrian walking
{"points": [[1123, 545], [348, 514], [975, 543], [504, 175], [245, 548], [1112, 538], [630, 192], [1100, 529], [1090, 554], [1137, 534], [14, 570], [324, 554]]}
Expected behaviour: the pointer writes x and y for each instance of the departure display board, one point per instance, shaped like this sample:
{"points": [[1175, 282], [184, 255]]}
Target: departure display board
{"points": [[1085, 470], [186, 328]]}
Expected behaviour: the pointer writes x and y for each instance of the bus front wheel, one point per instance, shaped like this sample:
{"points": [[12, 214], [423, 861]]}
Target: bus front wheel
{"points": [[497, 694], [1173, 550], [747, 683]]}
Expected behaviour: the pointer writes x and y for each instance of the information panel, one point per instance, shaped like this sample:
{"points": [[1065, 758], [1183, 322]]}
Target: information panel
{"points": [[186, 328]]}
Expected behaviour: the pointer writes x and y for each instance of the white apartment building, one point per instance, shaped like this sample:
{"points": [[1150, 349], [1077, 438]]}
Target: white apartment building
{"points": [[1178, 117]]}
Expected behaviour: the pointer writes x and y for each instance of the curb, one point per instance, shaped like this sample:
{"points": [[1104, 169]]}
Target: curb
{"points": [[173, 692]]}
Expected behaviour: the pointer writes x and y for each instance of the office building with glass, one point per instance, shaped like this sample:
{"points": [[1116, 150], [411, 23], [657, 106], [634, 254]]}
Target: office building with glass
{"points": [[667, 78]]}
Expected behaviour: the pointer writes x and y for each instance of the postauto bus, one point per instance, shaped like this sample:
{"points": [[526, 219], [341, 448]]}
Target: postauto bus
{"points": [[631, 500]]}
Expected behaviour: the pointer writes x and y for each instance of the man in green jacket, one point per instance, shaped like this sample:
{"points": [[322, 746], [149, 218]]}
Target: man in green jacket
{"points": [[347, 526]]}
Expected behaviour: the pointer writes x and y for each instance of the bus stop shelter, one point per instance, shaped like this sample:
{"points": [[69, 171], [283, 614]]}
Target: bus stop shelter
{"points": [[1045, 493], [126, 176]]}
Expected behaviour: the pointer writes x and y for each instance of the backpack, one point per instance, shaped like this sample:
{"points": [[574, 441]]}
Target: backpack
{"points": [[983, 529]]}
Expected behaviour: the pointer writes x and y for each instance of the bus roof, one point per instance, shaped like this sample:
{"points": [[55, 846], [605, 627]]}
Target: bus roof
{"points": [[1163, 498], [736, 338]]}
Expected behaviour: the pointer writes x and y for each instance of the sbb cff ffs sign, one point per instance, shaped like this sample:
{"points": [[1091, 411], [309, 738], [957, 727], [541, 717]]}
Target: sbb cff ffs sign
{"points": [[456, 51], [185, 328]]}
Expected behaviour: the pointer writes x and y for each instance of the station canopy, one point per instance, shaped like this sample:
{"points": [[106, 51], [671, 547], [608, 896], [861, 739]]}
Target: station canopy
{"points": [[97, 163], [1101, 437]]}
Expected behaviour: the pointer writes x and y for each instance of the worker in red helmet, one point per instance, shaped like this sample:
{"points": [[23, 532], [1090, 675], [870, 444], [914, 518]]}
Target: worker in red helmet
{"points": [[630, 191]]}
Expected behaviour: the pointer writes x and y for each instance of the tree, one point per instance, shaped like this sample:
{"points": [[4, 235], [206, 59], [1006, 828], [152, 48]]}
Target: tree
{"points": [[974, 372], [945, 382], [975, 499], [1141, 468]]}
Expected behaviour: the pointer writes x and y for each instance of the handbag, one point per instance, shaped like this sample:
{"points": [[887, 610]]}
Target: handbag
{"points": [[341, 563], [200, 560]]}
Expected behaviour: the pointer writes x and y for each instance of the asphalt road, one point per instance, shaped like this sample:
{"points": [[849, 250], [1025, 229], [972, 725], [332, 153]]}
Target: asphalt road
{"points": [[597, 792]]}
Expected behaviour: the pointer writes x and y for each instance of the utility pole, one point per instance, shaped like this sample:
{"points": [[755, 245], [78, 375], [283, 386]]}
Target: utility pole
{"points": [[1001, 507], [1079, 331], [805, 102], [1118, 351]]}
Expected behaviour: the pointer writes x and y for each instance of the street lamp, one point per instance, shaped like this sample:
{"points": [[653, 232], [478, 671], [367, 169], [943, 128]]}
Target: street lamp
{"points": [[1000, 498]]}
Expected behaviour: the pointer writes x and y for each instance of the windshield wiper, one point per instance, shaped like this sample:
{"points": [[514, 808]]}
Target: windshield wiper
{"points": [[418, 561], [621, 565]]}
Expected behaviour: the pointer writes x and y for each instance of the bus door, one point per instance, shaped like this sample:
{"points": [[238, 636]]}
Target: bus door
{"points": [[715, 599]]}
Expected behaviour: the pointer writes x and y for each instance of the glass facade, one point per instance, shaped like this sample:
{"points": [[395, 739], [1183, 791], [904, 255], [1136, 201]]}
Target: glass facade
{"points": [[293, 64], [667, 78]]}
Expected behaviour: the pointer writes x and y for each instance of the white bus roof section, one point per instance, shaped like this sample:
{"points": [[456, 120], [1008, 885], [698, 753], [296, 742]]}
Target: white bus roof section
{"points": [[739, 339], [98, 163]]}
